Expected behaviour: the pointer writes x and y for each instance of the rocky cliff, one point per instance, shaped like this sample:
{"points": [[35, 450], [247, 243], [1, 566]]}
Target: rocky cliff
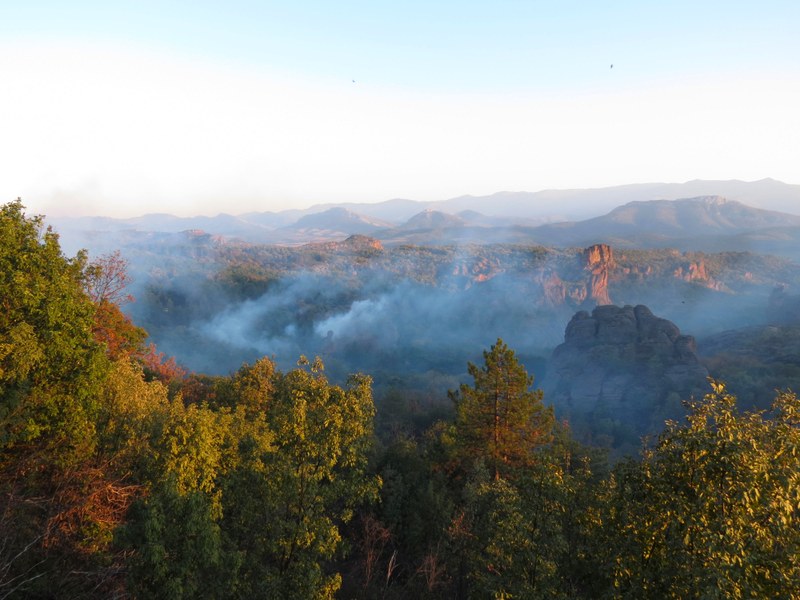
{"points": [[599, 261], [625, 367], [583, 283]]}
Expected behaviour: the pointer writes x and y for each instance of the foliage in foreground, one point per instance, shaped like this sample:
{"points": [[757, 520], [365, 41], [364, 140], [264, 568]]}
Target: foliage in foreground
{"points": [[711, 510], [111, 485], [714, 509], [121, 477]]}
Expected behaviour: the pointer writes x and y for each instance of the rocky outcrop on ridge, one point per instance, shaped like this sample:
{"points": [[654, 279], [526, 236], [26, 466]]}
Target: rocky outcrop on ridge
{"points": [[584, 283], [599, 261], [626, 366]]}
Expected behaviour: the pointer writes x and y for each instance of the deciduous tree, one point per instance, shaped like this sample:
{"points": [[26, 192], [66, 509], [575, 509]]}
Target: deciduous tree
{"points": [[714, 509], [285, 505]]}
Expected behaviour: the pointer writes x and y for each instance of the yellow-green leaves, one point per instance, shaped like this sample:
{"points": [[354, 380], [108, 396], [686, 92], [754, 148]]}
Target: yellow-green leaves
{"points": [[266, 478], [713, 508], [310, 483]]}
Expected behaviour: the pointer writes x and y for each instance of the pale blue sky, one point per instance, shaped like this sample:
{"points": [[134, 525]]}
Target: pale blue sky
{"points": [[201, 107]]}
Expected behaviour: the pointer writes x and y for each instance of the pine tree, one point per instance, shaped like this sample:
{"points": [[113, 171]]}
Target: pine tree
{"points": [[499, 418]]}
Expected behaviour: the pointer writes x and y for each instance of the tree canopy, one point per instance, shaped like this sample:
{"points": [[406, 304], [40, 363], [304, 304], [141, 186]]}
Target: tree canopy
{"points": [[499, 418], [112, 483], [714, 509]]}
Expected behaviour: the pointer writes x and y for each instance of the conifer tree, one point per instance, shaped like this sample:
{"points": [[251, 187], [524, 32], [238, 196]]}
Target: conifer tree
{"points": [[499, 418]]}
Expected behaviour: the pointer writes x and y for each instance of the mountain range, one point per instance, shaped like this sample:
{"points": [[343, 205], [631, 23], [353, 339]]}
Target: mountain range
{"points": [[578, 204], [709, 222]]}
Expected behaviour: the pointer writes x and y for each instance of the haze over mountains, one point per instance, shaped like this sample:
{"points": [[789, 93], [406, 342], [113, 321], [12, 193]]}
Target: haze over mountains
{"points": [[410, 291], [578, 204], [697, 215]]}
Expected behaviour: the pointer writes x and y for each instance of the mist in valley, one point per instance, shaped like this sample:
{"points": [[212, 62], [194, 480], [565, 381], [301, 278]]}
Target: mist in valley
{"points": [[388, 329], [412, 317]]}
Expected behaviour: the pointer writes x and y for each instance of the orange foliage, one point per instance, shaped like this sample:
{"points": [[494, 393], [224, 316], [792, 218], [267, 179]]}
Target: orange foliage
{"points": [[158, 365], [116, 331]]}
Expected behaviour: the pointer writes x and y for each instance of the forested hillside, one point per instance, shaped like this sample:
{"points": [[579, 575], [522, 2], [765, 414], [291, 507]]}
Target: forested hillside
{"points": [[123, 475]]}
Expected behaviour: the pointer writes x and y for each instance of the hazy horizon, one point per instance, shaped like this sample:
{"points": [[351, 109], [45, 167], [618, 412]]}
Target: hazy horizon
{"points": [[548, 211], [130, 109]]}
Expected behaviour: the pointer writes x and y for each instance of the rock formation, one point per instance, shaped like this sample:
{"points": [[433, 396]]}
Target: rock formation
{"points": [[354, 243], [625, 365], [583, 283], [599, 261], [476, 270], [695, 272]]}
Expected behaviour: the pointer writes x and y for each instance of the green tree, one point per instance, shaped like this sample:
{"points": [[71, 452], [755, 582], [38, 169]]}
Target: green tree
{"points": [[416, 505], [50, 365], [52, 478], [712, 511], [511, 533], [246, 496], [173, 533], [177, 548], [494, 543], [528, 536], [284, 505], [499, 419]]}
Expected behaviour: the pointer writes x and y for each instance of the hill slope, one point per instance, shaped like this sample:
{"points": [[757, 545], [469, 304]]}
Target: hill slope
{"points": [[656, 221]]}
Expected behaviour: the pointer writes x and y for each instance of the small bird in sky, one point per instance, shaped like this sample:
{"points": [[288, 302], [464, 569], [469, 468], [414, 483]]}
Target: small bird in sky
{"points": [[611, 67]]}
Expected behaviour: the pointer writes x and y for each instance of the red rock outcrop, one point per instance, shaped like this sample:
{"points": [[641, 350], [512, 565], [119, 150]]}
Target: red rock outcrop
{"points": [[585, 280], [695, 272], [599, 261], [476, 270]]}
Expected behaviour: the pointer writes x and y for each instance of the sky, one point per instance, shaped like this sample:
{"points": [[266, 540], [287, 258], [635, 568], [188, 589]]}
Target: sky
{"points": [[131, 107]]}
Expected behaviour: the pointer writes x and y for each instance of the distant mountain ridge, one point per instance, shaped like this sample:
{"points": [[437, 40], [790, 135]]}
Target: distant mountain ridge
{"points": [[341, 220], [578, 204], [433, 219], [697, 215], [709, 221], [648, 223]]}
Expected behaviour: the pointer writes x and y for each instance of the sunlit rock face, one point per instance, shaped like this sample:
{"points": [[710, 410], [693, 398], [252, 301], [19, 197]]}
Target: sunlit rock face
{"points": [[623, 364], [584, 283], [599, 261]]}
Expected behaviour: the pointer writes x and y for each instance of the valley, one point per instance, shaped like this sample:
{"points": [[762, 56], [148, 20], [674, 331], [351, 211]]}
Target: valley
{"points": [[411, 304], [288, 420]]}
